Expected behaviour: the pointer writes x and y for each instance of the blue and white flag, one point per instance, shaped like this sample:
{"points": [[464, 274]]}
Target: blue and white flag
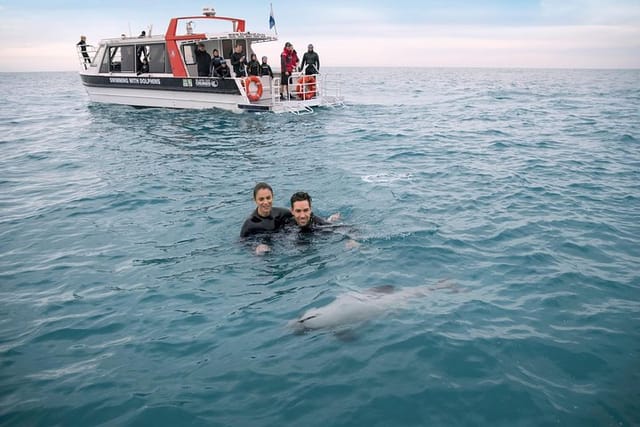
{"points": [[272, 21]]}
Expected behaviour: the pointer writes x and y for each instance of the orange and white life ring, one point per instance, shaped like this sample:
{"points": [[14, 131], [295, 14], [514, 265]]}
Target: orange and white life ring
{"points": [[306, 88], [253, 96]]}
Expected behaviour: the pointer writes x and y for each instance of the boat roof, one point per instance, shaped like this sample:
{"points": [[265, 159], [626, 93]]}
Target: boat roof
{"points": [[172, 33], [253, 37]]}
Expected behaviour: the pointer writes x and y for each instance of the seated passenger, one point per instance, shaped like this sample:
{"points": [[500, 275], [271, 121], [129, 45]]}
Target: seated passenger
{"points": [[222, 70], [219, 66], [144, 67]]}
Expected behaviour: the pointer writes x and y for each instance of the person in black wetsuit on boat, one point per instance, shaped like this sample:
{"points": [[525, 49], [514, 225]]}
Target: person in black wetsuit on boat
{"points": [[253, 67], [83, 49], [266, 218], [239, 62], [203, 60], [265, 69], [310, 62]]}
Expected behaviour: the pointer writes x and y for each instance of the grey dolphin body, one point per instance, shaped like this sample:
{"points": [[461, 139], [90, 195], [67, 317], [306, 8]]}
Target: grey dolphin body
{"points": [[354, 307]]}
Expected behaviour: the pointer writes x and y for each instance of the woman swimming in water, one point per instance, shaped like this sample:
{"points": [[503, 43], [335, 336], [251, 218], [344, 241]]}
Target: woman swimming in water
{"points": [[265, 218]]}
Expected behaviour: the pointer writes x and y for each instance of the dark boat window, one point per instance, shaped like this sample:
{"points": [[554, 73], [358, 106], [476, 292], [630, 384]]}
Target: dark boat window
{"points": [[157, 58], [128, 59], [227, 49], [119, 59], [112, 61]]}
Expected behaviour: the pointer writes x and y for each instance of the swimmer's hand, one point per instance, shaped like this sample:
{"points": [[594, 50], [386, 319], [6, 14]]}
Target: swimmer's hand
{"points": [[334, 217], [261, 249]]}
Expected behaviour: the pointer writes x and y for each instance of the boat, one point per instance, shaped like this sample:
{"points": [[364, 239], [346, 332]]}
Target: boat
{"points": [[161, 71]]}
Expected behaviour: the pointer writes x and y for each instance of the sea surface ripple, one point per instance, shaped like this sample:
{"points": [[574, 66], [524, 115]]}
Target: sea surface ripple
{"points": [[127, 298]]}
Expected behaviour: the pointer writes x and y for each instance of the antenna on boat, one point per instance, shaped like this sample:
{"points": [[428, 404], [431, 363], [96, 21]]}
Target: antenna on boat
{"points": [[208, 11]]}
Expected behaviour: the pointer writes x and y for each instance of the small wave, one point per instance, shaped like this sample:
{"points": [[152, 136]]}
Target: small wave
{"points": [[386, 177]]}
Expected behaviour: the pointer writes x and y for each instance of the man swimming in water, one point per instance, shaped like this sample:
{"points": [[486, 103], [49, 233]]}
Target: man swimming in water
{"points": [[306, 222], [302, 215]]}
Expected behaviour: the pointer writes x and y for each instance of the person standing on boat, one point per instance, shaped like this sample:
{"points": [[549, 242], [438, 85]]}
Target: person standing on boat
{"points": [[288, 62], [312, 60], [83, 49], [265, 69], [216, 60], [253, 67], [203, 59], [238, 62]]}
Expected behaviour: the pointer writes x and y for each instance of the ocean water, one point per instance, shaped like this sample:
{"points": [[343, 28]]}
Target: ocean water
{"points": [[127, 298]]}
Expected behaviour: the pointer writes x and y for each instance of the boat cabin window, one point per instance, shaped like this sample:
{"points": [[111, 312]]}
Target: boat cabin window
{"points": [[227, 49], [158, 59], [128, 62], [189, 53], [141, 58], [98, 55], [120, 59], [229, 46]]}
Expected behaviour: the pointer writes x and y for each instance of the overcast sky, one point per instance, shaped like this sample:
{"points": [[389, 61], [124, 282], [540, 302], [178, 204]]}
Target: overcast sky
{"points": [[41, 35]]}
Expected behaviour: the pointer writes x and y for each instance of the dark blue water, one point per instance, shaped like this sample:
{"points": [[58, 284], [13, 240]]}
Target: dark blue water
{"points": [[126, 297]]}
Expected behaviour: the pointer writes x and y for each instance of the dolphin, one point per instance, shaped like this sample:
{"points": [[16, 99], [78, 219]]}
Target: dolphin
{"points": [[355, 307]]}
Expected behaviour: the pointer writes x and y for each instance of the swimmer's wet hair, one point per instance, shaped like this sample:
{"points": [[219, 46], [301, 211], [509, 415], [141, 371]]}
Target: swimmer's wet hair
{"points": [[299, 197], [259, 186]]}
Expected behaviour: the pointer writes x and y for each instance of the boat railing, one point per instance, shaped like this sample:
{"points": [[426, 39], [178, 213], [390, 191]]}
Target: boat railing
{"points": [[275, 90], [305, 91], [86, 55], [327, 87]]}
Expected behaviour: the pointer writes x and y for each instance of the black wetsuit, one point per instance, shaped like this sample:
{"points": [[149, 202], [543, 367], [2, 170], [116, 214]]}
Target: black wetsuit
{"points": [[238, 64], [313, 63], [203, 59], [257, 224], [254, 68], [265, 70], [312, 225], [83, 49]]}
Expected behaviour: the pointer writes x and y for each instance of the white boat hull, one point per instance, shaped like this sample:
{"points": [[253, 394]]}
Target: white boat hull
{"points": [[164, 98]]}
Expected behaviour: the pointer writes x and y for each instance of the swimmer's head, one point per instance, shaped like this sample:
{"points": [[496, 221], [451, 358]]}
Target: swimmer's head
{"points": [[299, 197], [301, 208], [263, 196], [260, 186]]}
